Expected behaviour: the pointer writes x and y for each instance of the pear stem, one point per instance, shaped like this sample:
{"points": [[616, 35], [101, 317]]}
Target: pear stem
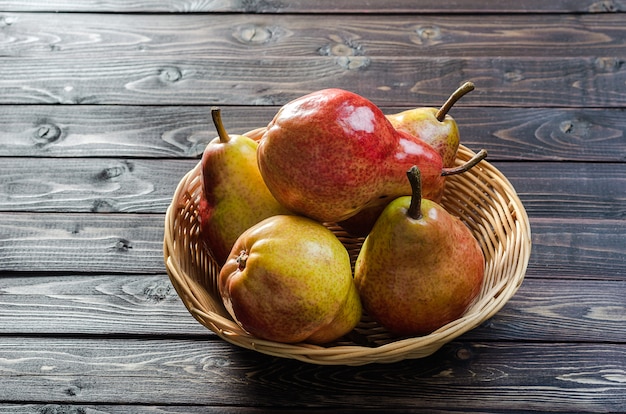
{"points": [[415, 178], [217, 121], [456, 95], [481, 155], [242, 260]]}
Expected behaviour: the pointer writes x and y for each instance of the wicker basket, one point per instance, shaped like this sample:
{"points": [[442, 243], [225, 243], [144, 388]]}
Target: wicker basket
{"points": [[483, 198]]}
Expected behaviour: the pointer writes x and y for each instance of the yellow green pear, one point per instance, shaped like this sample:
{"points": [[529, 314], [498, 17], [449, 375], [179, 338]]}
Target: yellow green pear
{"points": [[434, 126], [420, 267], [234, 195], [289, 279]]}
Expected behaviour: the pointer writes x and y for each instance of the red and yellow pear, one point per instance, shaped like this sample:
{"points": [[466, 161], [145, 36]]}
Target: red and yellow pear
{"points": [[332, 153], [289, 279]]}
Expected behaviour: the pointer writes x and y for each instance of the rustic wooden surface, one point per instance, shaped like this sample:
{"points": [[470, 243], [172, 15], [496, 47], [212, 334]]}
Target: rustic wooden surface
{"points": [[104, 106]]}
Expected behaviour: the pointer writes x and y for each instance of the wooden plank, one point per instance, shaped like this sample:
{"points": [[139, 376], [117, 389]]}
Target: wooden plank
{"points": [[562, 310], [183, 131], [57, 242], [543, 309], [198, 409], [175, 80], [118, 131], [573, 190], [132, 243], [152, 35], [569, 190], [544, 133], [90, 185], [137, 305], [493, 376], [320, 6], [565, 248]]}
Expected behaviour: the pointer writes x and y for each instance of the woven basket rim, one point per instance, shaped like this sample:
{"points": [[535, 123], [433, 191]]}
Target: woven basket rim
{"points": [[201, 303]]}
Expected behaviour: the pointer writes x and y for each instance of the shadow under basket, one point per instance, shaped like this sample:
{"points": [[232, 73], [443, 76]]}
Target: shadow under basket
{"points": [[482, 198]]}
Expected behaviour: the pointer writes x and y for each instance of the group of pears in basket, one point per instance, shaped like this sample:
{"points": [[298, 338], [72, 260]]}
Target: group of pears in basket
{"points": [[271, 203]]}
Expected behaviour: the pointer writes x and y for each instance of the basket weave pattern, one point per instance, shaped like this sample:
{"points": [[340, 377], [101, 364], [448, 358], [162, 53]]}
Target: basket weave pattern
{"points": [[484, 200]]}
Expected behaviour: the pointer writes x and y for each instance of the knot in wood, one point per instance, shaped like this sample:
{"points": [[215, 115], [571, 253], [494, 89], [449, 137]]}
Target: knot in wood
{"points": [[513, 76], [123, 245], [353, 62], [6, 20], [158, 293], [46, 133], [341, 47], [341, 50], [566, 127], [428, 32], [171, 74], [463, 354], [608, 64], [111, 172], [115, 171], [257, 34], [576, 128]]}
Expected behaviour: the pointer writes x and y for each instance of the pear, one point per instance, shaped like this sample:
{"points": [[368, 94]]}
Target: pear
{"points": [[361, 223], [289, 279], [332, 153], [420, 267], [234, 195], [434, 126]]}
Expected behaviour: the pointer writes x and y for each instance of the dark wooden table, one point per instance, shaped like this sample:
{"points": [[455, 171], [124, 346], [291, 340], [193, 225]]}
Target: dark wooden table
{"points": [[104, 106]]}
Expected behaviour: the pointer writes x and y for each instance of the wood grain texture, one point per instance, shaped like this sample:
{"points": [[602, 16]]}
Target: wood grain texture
{"points": [[104, 105], [320, 6], [280, 35], [147, 186], [193, 409], [57, 242], [196, 409], [401, 81], [543, 309], [90, 185], [592, 249], [94, 305], [117, 131], [548, 309], [132, 243], [183, 131], [494, 376], [569, 190]]}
